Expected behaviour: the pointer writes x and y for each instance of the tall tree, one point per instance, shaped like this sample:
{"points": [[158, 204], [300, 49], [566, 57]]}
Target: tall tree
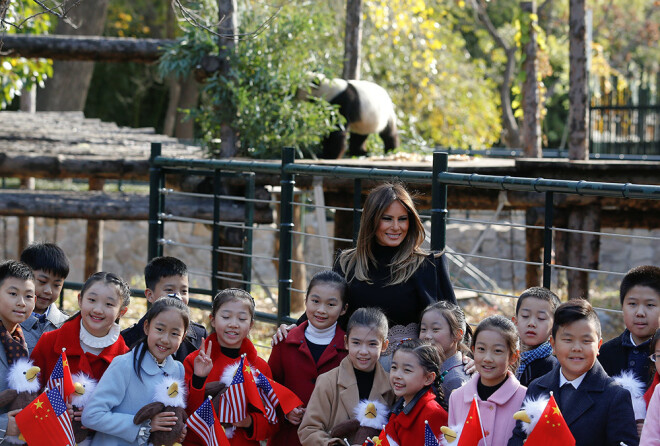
{"points": [[67, 89], [228, 30], [531, 128], [578, 139], [352, 39]]}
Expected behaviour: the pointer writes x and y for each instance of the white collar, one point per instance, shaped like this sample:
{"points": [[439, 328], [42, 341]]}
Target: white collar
{"points": [[99, 342], [320, 337], [575, 383], [633, 341]]}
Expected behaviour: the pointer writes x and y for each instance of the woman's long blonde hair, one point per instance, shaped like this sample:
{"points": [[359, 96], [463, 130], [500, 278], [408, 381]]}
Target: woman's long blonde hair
{"points": [[355, 262]]}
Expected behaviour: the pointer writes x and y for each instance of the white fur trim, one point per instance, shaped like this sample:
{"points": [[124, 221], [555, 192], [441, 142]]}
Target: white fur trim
{"points": [[16, 376], [628, 381], [534, 408], [161, 395], [230, 431], [381, 414], [88, 383]]}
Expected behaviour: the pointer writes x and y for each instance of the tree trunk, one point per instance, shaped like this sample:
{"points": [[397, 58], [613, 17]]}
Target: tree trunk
{"points": [[578, 142], [352, 39], [228, 29], [534, 246], [531, 127], [84, 48], [185, 128], [583, 249], [67, 89], [511, 131]]}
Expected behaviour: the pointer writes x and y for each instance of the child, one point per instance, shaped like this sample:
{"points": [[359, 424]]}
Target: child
{"points": [[165, 276], [129, 382], [443, 323], [640, 302], [359, 376], [50, 268], [535, 311], [232, 317], [499, 394], [17, 297], [654, 348], [597, 410], [651, 430], [312, 348], [91, 337], [414, 376]]}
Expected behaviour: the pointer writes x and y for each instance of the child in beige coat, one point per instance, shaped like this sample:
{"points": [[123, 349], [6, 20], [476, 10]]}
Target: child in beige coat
{"points": [[358, 377]]}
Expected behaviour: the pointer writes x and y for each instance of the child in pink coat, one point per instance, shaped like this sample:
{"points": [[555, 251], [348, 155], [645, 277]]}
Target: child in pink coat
{"points": [[499, 394]]}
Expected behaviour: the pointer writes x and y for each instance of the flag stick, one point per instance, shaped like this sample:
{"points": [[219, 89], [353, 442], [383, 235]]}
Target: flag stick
{"points": [[481, 426]]}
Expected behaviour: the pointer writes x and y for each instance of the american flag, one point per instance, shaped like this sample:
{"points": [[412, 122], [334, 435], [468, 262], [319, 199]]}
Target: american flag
{"points": [[60, 378], [55, 399], [429, 437], [268, 396], [233, 404], [204, 424]]}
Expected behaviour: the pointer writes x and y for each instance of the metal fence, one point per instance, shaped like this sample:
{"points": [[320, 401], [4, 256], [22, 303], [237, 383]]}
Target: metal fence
{"points": [[287, 171]]}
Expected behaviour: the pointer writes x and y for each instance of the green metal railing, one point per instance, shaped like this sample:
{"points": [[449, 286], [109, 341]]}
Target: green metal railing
{"points": [[440, 179]]}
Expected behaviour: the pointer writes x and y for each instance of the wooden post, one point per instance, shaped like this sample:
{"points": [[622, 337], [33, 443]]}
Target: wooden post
{"points": [[583, 249], [25, 224], [94, 240], [533, 246], [531, 126], [578, 140]]}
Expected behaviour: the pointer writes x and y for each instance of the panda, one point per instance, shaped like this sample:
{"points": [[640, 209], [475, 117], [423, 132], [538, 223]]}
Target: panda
{"points": [[367, 108]]}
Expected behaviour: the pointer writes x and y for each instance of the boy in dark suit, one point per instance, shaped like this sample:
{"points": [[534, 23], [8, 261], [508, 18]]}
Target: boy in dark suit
{"points": [[640, 303], [167, 276], [597, 410], [535, 311]]}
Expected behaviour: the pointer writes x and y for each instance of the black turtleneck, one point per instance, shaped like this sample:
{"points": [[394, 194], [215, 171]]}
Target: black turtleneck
{"points": [[403, 302], [365, 381], [486, 392]]}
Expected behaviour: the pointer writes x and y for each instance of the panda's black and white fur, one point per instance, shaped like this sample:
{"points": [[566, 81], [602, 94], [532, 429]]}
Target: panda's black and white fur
{"points": [[367, 108]]}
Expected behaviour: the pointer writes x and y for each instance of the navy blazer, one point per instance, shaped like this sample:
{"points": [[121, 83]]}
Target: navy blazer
{"points": [[601, 416], [613, 356]]}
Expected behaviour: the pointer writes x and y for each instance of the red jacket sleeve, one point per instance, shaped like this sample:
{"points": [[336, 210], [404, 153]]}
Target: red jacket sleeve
{"points": [[195, 396]]}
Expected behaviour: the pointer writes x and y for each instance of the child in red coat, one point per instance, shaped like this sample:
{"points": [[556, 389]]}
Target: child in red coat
{"points": [[311, 349], [415, 380], [232, 317], [92, 337]]}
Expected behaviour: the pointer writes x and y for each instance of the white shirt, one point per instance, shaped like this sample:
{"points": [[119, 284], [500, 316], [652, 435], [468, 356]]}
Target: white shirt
{"points": [[575, 383]]}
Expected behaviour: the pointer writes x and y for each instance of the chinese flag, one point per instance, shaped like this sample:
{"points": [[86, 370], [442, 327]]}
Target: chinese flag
{"points": [[471, 433], [551, 429], [45, 421]]}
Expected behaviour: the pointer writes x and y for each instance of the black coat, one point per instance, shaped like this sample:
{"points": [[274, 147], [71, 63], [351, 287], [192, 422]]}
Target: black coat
{"points": [[601, 416], [536, 369], [196, 332], [613, 356]]}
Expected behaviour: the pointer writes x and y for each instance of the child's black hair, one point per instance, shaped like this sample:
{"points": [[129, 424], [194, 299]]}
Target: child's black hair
{"points": [[46, 257], [329, 277], [15, 269], [504, 327], [645, 275], [161, 305], [229, 295], [455, 318], [430, 359], [373, 318], [541, 293], [160, 267], [572, 311]]}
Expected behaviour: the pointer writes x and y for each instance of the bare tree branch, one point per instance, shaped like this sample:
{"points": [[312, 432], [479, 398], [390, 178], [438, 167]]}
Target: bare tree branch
{"points": [[195, 20], [53, 10]]}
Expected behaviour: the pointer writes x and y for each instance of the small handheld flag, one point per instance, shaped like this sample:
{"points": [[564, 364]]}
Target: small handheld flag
{"points": [[242, 390], [204, 423], [274, 394], [429, 437], [61, 378], [472, 431], [551, 428], [46, 422]]}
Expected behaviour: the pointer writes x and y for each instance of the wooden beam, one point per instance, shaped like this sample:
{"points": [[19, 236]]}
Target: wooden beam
{"points": [[97, 205], [85, 48]]}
